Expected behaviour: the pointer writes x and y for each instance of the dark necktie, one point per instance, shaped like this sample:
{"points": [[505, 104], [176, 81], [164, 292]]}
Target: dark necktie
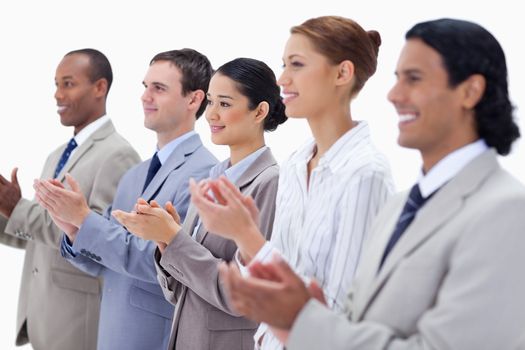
{"points": [[154, 166], [65, 156], [414, 202]]}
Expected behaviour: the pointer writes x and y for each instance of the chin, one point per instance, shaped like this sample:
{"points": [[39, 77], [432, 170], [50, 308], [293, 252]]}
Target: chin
{"points": [[218, 141]]}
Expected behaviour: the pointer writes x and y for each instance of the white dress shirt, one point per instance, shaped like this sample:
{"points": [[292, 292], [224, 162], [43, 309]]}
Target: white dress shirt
{"points": [[448, 167], [320, 227], [87, 131]]}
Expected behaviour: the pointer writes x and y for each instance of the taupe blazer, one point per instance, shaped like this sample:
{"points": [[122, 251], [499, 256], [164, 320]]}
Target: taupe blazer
{"points": [[58, 306], [188, 272], [454, 280]]}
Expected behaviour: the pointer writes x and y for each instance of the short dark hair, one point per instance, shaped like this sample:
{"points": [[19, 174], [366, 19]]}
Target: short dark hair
{"points": [[196, 71], [466, 49], [100, 68], [257, 82]]}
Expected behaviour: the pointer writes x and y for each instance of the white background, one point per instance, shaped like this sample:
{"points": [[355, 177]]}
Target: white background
{"points": [[35, 36]]}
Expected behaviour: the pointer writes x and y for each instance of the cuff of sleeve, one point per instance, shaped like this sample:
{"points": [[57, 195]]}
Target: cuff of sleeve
{"points": [[264, 255], [303, 324], [67, 247]]}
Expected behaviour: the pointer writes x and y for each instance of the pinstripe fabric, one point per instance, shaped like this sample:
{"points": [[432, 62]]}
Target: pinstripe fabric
{"points": [[320, 227]]}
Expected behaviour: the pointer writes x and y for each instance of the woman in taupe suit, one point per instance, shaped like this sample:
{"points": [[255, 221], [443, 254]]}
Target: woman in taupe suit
{"points": [[243, 102]]}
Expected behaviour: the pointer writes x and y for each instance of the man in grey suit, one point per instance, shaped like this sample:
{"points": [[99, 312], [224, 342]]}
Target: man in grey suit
{"points": [[134, 313], [443, 269], [58, 306]]}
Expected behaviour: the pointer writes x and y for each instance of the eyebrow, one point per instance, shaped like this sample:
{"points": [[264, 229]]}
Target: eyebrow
{"points": [[293, 55], [220, 96], [408, 71], [156, 83]]}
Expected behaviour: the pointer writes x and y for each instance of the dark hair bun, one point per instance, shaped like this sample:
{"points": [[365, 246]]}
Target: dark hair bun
{"points": [[276, 116]]}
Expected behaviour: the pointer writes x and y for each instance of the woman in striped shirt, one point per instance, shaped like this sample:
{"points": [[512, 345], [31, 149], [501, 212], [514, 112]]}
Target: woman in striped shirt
{"points": [[329, 189]]}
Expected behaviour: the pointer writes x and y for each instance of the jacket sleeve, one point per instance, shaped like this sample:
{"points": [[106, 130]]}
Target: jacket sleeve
{"points": [[33, 222], [484, 283], [193, 265]]}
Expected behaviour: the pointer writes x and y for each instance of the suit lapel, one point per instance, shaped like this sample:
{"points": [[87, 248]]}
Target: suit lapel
{"points": [[444, 205], [264, 161], [190, 221], [176, 159], [103, 132]]}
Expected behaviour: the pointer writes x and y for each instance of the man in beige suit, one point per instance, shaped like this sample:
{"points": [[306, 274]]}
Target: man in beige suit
{"points": [[444, 266], [59, 305]]}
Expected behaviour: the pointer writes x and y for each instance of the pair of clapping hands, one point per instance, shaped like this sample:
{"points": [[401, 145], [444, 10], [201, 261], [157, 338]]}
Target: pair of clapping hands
{"points": [[68, 208]]}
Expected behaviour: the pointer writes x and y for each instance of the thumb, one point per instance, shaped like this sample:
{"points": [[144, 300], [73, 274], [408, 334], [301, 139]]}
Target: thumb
{"points": [[316, 291], [14, 178], [173, 212], [73, 183]]}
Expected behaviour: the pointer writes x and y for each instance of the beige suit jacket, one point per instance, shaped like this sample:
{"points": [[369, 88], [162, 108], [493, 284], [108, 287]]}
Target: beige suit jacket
{"points": [[58, 306], [188, 272], [454, 280]]}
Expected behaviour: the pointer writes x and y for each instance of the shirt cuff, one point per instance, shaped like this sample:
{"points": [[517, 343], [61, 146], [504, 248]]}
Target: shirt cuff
{"points": [[264, 255], [68, 246]]}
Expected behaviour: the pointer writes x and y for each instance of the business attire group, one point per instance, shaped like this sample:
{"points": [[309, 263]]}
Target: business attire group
{"points": [[435, 267]]}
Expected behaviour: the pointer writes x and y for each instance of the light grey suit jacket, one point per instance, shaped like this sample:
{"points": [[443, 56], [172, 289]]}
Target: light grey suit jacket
{"points": [[203, 319], [454, 280], [58, 305]]}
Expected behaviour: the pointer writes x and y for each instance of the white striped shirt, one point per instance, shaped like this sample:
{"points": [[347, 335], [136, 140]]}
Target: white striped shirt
{"points": [[320, 228]]}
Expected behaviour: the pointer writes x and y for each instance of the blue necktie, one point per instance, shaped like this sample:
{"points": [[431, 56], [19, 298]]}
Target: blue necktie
{"points": [[65, 156], [154, 166], [414, 202]]}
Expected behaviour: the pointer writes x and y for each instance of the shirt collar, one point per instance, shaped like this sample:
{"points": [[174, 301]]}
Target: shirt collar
{"points": [[234, 172], [89, 129], [449, 167], [339, 150], [168, 148]]}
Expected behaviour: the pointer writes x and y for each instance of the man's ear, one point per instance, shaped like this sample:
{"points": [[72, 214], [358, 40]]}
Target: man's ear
{"points": [[101, 87], [474, 88], [196, 99]]}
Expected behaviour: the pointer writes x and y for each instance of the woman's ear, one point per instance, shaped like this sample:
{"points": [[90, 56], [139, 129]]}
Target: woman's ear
{"points": [[345, 72], [262, 111]]}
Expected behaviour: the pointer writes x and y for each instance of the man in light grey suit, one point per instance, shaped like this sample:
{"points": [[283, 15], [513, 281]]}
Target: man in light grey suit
{"points": [[58, 306], [134, 313], [443, 269]]}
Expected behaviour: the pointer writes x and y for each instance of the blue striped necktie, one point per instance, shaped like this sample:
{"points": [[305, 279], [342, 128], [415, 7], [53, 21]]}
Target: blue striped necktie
{"points": [[414, 202], [65, 156]]}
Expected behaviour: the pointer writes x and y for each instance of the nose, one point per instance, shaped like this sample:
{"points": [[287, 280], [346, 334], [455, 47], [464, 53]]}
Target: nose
{"points": [[211, 112], [284, 79], [146, 96], [395, 93], [58, 94]]}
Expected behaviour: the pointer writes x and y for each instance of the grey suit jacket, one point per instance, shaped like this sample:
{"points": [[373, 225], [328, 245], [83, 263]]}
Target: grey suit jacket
{"points": [[133, 312], [454, 280], [188, 272], [58, 305]]}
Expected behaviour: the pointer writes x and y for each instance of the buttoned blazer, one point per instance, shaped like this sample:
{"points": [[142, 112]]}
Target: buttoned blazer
{"points": [[134, 313], [58, 306], [454, 280], [188, 271]]}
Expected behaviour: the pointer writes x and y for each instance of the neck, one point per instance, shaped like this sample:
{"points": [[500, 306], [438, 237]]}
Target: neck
{"points": [[165, 137], [239, 152], [327, 130], [432, 157], [95, 116]]}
